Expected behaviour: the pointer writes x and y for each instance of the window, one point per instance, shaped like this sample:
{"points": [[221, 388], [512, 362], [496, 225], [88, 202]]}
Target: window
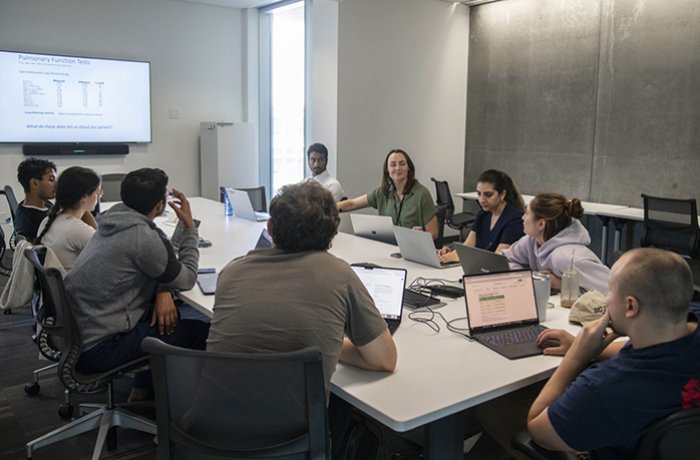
{"points": [[282, 98]]}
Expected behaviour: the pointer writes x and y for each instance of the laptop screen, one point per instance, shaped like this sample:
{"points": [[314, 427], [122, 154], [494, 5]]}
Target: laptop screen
{"points": [[386, 286], [499, 299]]}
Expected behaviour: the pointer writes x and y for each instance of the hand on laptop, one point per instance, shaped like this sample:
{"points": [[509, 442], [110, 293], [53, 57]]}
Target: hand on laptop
{"points": [[181, 206], [447, 255], [562, 339]]}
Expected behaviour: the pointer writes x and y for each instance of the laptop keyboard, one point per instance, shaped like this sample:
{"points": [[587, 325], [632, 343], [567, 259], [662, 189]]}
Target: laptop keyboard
{"points": [[512, 336]]}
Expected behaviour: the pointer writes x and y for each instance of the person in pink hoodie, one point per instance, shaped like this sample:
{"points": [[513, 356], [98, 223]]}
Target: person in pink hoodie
{"points": [[553, 236]]}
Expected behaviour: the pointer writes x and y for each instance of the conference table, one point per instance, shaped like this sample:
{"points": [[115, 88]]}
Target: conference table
{"points": [[603, 211], [439, 375]]}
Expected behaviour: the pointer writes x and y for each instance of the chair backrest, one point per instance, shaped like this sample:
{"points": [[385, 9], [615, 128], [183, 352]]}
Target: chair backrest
{"points": [[111, 186], [11, 200], [3, 270], [238, 405], [257, 196], [60, 326], [676, 437], [672, 224]]}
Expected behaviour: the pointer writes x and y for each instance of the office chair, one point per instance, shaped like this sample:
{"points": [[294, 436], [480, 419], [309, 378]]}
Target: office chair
{"points": [[111, 186], [63, 331], [674, 437], [4, 270], [672, 224], [12, 204], [238, 405], [257, 197], [446, 212]]}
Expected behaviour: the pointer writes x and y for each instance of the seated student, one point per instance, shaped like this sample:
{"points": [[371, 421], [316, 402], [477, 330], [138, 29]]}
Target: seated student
{"points": [[499, 222], [553, 236], [607, 407], [70, 223], [317, 155], [261, 307], [38, 179], [400, 196], [119, 286]]}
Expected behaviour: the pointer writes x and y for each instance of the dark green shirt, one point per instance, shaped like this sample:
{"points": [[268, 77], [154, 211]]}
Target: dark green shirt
{"points": [[416, 209]]}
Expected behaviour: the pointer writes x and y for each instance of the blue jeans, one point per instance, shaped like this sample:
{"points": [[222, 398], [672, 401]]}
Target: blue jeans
{"points": [[122, 348]]}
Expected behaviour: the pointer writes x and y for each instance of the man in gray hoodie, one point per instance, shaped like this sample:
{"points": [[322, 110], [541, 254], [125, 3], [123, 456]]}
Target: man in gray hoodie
{"points": [[120, 286]]}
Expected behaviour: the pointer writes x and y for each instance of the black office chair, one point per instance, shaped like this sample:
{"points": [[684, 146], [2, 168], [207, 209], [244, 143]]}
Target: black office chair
{"points": [[111, 186], [258, 197], [675, 437], [446, 212], [63, 331], [238, 405], [672, 224], [12, 204], [5, 270]]}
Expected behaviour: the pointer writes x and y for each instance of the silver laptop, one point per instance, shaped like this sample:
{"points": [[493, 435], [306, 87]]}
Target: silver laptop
{"points": [[475, 260], [374, 227], [386, 286], [502, 312], [242, 207], [418, 246]]}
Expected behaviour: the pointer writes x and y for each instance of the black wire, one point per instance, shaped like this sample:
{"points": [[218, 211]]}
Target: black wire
{"points": [[432, 324]]}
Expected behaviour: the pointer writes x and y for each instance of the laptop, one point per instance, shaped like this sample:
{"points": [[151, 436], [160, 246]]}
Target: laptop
{"points": [[475, 260], [374, 227], [502, 312], [242, 207], [206, 279], [418, 246], [386, 286]]}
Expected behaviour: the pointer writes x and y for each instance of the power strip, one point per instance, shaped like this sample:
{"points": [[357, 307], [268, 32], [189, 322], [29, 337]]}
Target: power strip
{"points": [[452, 292]]}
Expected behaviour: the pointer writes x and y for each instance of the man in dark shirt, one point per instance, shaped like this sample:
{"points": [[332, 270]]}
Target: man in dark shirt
{"points": [[38, 178]]}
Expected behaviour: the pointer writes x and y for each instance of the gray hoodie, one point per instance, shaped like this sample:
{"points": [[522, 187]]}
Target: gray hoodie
{"points": [[115, 278], [555, 255]]}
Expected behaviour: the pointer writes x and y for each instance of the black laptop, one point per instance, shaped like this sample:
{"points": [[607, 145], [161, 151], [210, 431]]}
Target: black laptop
{"points": [[502, 312], [386, 286]]}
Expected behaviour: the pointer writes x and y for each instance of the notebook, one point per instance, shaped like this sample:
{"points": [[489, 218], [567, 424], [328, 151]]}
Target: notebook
{"points": [[418, 246], [386, 286], [374, 227], [502, 312], [242, 207], [475, 260]]}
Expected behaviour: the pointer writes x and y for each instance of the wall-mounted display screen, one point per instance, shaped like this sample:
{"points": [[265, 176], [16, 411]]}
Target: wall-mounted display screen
{"points": [[69, 99]]}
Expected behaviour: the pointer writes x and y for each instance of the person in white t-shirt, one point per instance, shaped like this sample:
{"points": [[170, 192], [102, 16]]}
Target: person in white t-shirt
{"points": [[317, 154], [70, 223]]}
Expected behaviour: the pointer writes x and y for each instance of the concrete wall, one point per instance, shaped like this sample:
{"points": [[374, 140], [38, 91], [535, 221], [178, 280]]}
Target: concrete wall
{"points": [[402, 69], [196, 66], [598, 99]]}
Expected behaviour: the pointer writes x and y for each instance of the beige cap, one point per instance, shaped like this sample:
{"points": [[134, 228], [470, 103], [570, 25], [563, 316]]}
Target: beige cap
{"points": [[589, 307]]}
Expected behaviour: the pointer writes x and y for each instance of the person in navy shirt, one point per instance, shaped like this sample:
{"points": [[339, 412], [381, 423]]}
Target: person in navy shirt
{"points": [[607, 407], [499, 222]]}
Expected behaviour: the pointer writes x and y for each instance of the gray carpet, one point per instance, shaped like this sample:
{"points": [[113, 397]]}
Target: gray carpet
{"points": [[23, 418]]}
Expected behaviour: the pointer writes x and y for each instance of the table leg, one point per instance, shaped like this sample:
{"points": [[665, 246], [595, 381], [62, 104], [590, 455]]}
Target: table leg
{"points": [[604, 239], [444, 438], [619, 224]]}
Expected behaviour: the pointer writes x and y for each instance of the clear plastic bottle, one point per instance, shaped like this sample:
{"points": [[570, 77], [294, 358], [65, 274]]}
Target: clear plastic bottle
{"points": [[228, 209], [569, 285]]}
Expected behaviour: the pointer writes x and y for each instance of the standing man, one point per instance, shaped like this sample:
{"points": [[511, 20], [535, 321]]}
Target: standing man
{"points": [[297, 295], [317, 154], [607, 407], [120, 285], [38, 179]]}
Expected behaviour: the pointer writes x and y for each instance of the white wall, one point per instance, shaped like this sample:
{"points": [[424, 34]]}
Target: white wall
{"points": [[195, 52], [402, 79]]}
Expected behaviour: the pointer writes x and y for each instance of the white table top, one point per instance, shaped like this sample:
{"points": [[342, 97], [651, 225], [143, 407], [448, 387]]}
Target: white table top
{"points": [[437, 375]]}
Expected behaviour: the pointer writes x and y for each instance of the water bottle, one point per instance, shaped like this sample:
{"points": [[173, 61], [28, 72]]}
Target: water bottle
{"points": [[228, 209], [569, 285]]}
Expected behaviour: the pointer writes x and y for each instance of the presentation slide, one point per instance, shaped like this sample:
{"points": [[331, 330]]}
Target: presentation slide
{"points": [[73, 99]]}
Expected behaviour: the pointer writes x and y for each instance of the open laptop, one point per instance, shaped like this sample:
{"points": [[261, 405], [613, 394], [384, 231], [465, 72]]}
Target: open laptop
{"points": [[374, 227], [502, 312], [418, 246], [475, 260], [386, 286], [242, 207]]}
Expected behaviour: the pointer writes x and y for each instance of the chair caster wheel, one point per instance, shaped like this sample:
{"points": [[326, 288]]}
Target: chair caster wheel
{"points": [[65, 411], [32, 389]]}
